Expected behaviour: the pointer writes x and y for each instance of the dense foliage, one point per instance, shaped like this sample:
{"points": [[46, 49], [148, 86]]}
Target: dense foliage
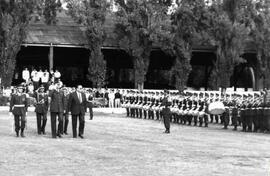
{"points": [[92, 14], [140, 26], [14, 19]]}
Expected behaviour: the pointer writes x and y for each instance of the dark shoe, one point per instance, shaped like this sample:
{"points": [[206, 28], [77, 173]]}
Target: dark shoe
{"points": [[22, 134], [17, 134], [65, 133], [81, 136], [59, 135], [74, 136]]}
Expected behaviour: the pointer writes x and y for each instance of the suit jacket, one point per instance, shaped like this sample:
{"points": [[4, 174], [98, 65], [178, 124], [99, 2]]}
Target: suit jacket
{"points": [[57, 101], [75, 106]]}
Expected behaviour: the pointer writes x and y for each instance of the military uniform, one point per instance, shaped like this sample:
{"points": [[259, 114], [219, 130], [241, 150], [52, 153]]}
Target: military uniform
{"points": [[18, 106], [41, 110], [57, 107], [66, 112], [234, 115]]}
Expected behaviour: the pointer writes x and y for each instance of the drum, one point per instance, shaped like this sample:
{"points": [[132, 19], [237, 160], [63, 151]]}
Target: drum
{"points": [[216, 108]]}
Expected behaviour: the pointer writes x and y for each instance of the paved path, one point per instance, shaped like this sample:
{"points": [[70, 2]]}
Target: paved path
{"points": [[115, 146]]}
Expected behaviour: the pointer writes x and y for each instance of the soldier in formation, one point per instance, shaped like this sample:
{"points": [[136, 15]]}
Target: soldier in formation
{"points": [[250, 111]]}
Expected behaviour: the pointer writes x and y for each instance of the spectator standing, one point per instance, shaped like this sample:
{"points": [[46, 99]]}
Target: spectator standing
{"points": [[111, 98], [35, 79], [25, 74], [52, 76], [57, 75], [30, 88], [40, 74], [117, 96], [45, 79], [90, 103], [33, 73]]}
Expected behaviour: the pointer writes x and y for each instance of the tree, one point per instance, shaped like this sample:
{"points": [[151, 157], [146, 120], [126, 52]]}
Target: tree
{"points": [[229, 33], [14, 19], [141, 26], [190, 23], [91, 14], [259, 16]]}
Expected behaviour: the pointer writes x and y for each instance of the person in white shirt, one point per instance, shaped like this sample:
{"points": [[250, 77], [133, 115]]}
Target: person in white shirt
{"points": [[25, 74], [45, 79], [30, 88], [33, 73], [40, 74], [57, 75], [35, 79], [52, 76], [111, 99]]}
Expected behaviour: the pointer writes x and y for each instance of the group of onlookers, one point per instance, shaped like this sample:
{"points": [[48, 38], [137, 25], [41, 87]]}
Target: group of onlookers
{"points": [[34, 79]]}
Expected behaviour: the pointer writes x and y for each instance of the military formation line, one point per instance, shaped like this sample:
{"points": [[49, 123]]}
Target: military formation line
{"points": [[248, 110]]}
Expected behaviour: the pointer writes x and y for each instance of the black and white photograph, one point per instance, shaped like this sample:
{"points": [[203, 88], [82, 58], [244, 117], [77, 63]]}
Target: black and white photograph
{"points": [[135, 87]]}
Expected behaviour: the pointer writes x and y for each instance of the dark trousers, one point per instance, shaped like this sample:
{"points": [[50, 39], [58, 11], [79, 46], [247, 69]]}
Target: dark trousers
{"points": [[65, 121], [157, 115], [36, 85], [128, 113], [226, 121], [91, 113], [140, 113], [81, 124], [41, 122], [234, 121], [53, 123], [19, 122], [166, 120]]}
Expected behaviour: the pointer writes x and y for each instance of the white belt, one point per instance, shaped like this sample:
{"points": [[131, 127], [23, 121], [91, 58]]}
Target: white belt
{"points": [[19, 106]]}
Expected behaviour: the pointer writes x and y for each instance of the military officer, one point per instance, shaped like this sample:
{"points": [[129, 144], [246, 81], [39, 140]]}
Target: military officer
{"points": [[66, 111], [18, 107], [166, 113], [57, 103], [41, 109]]}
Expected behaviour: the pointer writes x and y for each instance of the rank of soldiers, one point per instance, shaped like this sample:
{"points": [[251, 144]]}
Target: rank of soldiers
{"points": [[250, 110]]}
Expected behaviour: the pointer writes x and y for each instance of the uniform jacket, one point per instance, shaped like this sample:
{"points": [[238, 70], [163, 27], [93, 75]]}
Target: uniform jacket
{"points": [[42, 103], [18, 100], [57, 103], [74, 105], [66, 97]]}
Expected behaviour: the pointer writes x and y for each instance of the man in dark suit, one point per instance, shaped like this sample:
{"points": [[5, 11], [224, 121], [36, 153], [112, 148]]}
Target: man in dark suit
{"points": [[77, 106], [57, 103]]}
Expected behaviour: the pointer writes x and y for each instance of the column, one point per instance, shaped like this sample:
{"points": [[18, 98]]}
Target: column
{"points": [[51, 57]]}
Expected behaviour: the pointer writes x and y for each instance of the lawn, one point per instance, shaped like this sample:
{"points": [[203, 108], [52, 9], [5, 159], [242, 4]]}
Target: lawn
{"points": [[115, 145]]}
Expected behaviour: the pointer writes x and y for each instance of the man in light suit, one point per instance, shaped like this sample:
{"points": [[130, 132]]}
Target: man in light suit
{"points": [[77, 105]]}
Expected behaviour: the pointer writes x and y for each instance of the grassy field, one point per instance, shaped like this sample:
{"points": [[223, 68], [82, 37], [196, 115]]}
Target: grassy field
{"points": [[119, 146]]}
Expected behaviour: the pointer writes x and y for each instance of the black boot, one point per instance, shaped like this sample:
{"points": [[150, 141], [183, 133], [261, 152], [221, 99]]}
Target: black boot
{"points": [[17, 133], [22, 133]]}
